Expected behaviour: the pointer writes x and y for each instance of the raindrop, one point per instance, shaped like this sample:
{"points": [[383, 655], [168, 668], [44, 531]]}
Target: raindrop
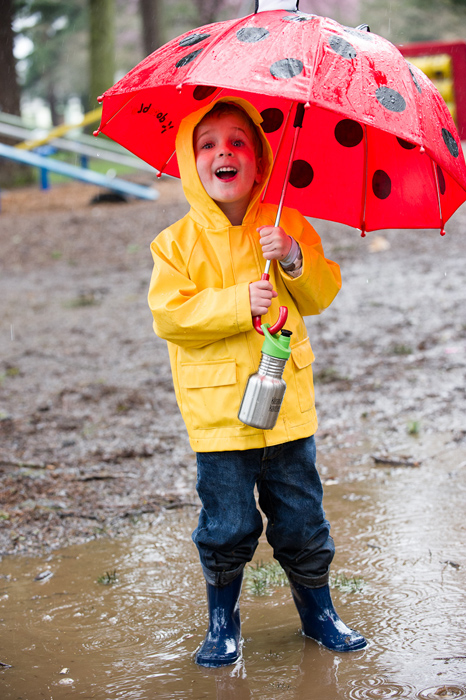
{"points": [[390, 99], [342, 47]]}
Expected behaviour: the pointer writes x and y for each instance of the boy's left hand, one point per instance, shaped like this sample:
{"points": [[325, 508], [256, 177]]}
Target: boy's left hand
{"points": [[275, 242]]}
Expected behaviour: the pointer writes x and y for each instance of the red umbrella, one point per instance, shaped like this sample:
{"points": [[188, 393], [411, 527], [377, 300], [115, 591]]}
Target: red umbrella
{"points": [[378, 148]]}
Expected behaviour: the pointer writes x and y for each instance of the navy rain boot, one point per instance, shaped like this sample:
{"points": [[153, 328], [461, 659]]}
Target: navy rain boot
{"points": [[320, 620], [222, 645]]}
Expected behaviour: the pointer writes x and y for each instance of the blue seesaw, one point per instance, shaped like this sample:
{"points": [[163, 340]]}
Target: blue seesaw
{"points": [[91, 177]]}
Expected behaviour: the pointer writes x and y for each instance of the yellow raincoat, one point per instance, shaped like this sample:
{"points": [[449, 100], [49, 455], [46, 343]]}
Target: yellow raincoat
{"points": [[199, 297]]}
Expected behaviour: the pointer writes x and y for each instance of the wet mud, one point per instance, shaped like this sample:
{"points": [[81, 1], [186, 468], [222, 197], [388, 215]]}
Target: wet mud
{"points": [[101, 594]]}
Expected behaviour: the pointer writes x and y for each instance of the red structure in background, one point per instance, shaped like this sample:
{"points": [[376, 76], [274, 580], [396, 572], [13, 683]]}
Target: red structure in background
{"points": [[457, 52]]}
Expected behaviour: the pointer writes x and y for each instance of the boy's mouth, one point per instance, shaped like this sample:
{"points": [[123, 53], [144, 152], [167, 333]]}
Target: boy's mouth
{"points": [[226, 173]]}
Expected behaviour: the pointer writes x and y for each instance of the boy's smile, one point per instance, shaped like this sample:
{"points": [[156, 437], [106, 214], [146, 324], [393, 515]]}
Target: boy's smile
{"points": [[226, 162]]}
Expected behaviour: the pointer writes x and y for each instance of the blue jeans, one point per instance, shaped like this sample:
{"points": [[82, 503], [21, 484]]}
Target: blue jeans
{"points": [[290, 495]]}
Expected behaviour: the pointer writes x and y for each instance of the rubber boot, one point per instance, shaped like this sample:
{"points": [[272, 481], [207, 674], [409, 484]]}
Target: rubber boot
{"points": [[222, 645], [320, 620]]}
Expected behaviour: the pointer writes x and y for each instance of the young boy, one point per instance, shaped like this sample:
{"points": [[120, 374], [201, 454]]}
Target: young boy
{"points": [[205, 291]]}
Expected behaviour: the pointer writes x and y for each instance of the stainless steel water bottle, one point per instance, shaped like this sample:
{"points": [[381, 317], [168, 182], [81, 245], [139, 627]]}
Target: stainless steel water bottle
{"points": [[263, 396]]}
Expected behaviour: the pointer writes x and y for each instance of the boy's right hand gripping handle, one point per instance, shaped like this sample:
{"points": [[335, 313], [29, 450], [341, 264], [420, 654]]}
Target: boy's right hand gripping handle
{"points": [[282, 316]]}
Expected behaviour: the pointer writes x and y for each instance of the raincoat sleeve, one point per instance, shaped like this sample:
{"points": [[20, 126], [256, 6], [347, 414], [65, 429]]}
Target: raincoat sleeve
{"points": [[320, 281], [187, 315]]}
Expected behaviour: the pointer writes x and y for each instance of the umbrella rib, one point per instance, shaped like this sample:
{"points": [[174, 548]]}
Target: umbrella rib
{"points": [[437, 188], [102, 126], [364, 177], [282, 135]]}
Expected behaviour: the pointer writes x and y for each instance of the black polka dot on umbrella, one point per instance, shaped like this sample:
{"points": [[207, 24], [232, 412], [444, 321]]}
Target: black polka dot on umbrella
{"points": [[381, 184], [390, 99], [349, 133], [301, 174], [202, 92], [252, 34], [406, 144], [367, 36], [286, 68], [272, 119], [193, 39], [188, 58], [414, 79], [441, 180], [298, 17], [450, 143], [342, 47]]}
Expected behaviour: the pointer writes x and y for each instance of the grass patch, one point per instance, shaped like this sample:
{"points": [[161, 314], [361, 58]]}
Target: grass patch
{"points": [[400, 349], [346, 584], [109, 578], [261, 577], [327, 375], [414, 427]]}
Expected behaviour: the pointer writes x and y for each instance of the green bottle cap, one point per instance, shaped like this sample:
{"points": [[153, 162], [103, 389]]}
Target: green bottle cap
{"points": [[277, 345]]}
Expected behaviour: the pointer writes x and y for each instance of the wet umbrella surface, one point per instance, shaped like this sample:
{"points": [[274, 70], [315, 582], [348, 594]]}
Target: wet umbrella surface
{"points": [[379, 148]]}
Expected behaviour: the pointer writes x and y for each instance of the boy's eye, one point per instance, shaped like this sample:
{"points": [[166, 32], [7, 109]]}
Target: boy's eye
{"points": [[209, 144], [238, 143]]}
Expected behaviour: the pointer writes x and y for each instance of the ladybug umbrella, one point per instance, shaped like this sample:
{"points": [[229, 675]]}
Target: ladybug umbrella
{"points": [[379, 148]]}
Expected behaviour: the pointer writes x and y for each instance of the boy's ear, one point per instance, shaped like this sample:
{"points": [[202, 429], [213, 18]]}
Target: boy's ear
{"points": [[259, 170]]}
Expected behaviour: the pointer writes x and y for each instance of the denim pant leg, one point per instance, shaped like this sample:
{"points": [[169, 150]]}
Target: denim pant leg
{"points": [[290, 494], [229, 523]]}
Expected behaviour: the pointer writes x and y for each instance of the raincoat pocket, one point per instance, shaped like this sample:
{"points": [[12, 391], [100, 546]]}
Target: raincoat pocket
{"points": [[212, 392], [303, 357]]}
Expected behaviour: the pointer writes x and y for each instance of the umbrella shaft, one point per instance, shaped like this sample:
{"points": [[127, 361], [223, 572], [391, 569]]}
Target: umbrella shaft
{"points": [[297, 124]]}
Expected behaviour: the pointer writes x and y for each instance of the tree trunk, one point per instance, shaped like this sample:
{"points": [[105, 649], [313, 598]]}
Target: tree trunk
{"points": [[151, 17], [208, 10], [102, 48], [11, 173], [9, 89]]}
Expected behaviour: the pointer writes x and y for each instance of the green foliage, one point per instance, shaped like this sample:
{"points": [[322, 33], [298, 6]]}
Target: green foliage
{"points": [[55, 69]]}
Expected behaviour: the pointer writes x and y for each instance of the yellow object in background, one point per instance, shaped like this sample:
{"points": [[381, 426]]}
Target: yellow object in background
{"points": [[58, 131], [439, 69]]}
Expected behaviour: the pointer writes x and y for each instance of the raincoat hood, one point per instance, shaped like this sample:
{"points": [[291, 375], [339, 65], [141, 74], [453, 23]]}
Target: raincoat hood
{"points": [[203, 208]]}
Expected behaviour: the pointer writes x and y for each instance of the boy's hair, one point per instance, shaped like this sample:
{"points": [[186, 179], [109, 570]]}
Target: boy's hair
{"points": [[222, 109]]}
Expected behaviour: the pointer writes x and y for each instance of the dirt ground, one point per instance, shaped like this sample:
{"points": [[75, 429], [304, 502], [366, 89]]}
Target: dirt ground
{"points": [[90, 434]]}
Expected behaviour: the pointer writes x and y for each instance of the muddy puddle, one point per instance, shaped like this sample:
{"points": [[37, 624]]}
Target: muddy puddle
{"points": [[400, 579]]}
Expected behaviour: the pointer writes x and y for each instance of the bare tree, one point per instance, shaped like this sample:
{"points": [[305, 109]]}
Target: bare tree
{"points": [[208, 10], [151, 17], [9, 88]]}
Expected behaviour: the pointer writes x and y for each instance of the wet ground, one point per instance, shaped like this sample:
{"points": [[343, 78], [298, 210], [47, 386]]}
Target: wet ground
{"points": [[96, 474]]}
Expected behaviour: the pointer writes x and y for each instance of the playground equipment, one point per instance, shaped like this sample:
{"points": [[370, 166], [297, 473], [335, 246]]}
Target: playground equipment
{"points": [[84, 146], [83, 174], [444, 63]]}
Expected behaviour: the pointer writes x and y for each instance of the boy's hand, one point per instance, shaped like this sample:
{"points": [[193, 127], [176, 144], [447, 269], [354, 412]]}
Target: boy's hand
{"points": [[275, 242], [261, 294]]}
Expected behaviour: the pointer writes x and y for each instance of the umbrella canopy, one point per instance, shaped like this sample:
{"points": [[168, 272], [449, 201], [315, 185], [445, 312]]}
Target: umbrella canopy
{"points": [[378, 147]]}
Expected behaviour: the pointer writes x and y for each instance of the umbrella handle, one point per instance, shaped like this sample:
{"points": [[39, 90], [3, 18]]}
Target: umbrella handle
{"points": [[279, 323]]}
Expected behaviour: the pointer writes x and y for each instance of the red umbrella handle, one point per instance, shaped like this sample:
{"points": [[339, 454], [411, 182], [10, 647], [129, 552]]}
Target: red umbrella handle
{"points": [[279, 323]]}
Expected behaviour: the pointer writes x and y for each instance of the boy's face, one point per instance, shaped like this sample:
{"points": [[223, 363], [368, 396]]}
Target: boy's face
{"points": [[226, 160]]}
